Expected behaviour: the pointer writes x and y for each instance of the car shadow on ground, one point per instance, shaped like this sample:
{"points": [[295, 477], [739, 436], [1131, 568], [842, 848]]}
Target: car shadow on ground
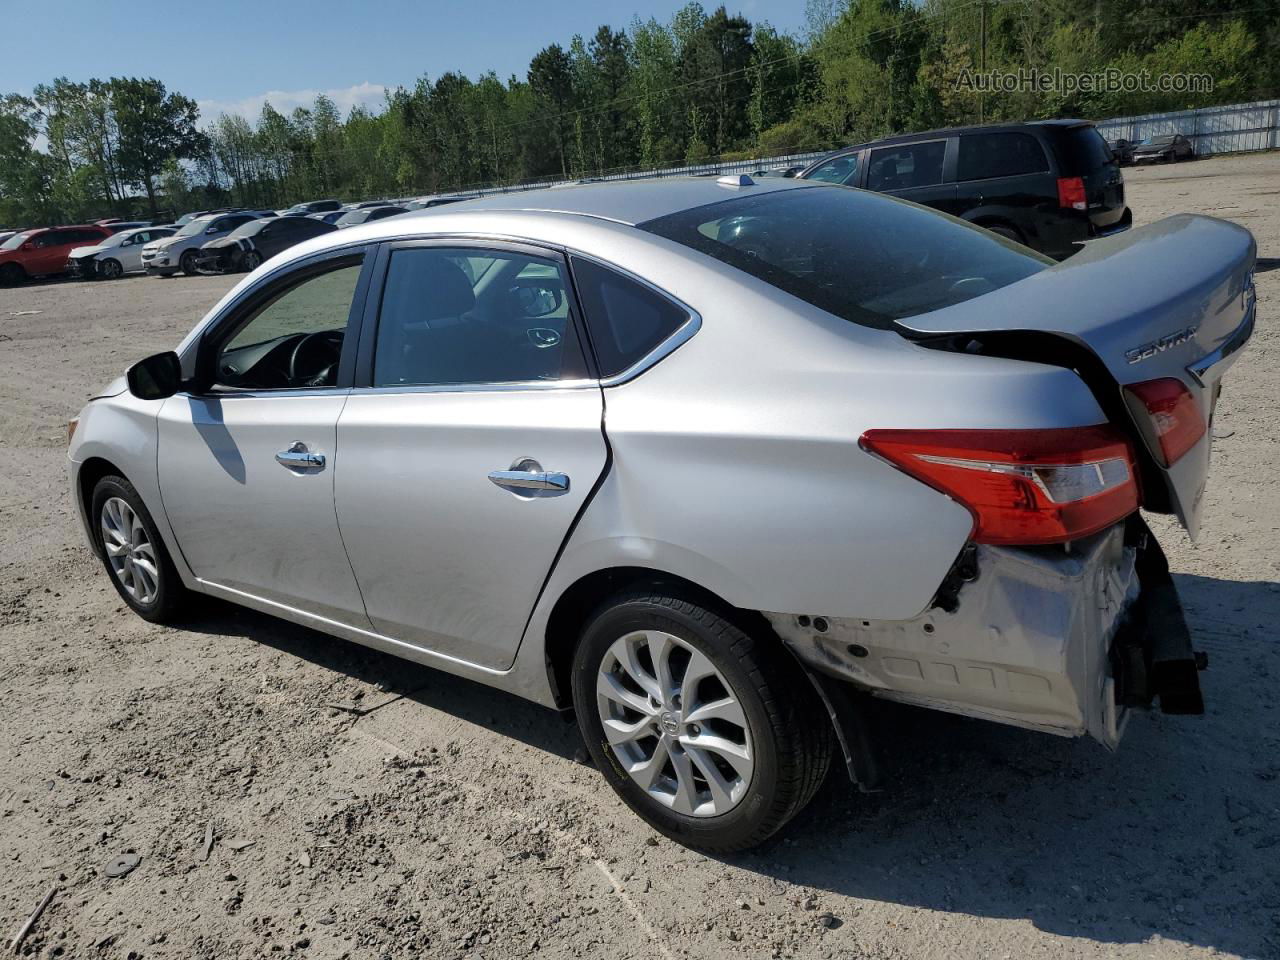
{"points": [[1173, 837]]}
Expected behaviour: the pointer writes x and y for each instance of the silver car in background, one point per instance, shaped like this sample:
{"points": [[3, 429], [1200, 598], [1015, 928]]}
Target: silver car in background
{"points": [[708, 462], [117, 255]]}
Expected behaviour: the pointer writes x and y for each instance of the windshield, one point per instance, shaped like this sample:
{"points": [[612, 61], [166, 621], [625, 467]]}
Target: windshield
{"points": [[14, 242], [356, 216], [112, 241], [868, 258], [1156, 141], [192, 228]]}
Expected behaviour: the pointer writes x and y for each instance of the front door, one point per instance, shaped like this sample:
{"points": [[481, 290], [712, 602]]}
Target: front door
{"points": [[471, 448], [247, 466]]}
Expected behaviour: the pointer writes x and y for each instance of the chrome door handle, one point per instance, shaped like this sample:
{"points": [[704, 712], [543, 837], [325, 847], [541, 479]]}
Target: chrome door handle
{"points": [[530, 480], [297, 457]]}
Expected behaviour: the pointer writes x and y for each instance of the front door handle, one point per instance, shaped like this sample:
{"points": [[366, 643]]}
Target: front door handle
{"points": [[298, 457]]}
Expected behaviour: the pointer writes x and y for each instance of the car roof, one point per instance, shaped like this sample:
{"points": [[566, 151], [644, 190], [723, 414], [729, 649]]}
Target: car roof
{"points": [[622, 201], [1061, 124]]}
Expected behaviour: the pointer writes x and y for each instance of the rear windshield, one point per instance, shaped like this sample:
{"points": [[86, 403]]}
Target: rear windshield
{"points": [[1081, 151], [868, 258]]}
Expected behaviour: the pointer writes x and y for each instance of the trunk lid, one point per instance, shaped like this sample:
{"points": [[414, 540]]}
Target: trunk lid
{"points": [[1172, 299]]}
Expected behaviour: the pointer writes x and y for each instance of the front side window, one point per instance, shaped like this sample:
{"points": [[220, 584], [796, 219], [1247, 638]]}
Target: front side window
{"points": [[838, 170], [984, 155], [867, 258], [468, 316], [905, 166], [293, 340]]}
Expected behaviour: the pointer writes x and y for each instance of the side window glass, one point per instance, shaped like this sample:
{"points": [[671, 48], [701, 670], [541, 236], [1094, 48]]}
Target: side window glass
{"points": [[627, 320], [839, 170], [986, 155], [463, 316], [905, 166], [295, 339]]}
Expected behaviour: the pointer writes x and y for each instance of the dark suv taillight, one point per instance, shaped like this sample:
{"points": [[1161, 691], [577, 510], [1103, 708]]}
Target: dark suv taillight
{"points": [[1071, 195]]}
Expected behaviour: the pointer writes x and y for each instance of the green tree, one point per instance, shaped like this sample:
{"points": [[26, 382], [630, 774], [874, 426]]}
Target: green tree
{"points": [[154, 125]]}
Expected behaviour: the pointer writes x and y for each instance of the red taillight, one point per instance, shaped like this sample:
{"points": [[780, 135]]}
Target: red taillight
{"points": [[1169, 417], [1071, 193], [1022, 486]]}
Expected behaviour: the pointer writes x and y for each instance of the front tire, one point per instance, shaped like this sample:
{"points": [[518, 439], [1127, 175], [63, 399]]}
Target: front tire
{"points": [[251, 261], [12, 274], [133, 553], [709, 731], [188, 263], [111, 269]]}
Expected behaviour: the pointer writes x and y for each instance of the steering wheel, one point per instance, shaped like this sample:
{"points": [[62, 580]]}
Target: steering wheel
{"points": [[322, 350]]}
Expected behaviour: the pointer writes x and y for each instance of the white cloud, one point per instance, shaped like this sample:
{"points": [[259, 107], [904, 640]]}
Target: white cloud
{"points": [[370, 95]]}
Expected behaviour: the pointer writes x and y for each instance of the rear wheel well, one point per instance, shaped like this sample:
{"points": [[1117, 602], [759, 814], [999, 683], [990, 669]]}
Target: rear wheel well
{"points": [[989, 222], [91, 471], [576, 604]]}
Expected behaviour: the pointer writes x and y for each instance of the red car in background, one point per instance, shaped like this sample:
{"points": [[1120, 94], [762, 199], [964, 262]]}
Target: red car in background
{"points": [[39, 253]]}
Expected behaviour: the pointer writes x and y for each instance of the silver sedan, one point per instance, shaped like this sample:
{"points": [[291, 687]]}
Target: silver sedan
{"points": [[709, 462]]}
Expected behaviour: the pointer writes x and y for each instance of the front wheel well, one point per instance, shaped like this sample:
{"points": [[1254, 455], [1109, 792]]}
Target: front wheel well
{"points": [[579, 601], [91, 471]]}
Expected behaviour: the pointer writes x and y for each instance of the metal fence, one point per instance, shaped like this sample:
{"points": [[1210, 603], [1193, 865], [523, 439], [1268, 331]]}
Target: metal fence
{"points": [[1236, 128]]}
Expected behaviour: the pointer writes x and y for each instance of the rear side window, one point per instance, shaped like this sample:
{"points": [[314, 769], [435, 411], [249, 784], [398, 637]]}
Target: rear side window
{"points": [[626, 319], [867, 258], [984, 155], [906, 165], [1081, 151]]}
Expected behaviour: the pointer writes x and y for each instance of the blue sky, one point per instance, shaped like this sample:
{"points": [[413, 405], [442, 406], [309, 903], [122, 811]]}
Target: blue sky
{"points": [[233, 54]]}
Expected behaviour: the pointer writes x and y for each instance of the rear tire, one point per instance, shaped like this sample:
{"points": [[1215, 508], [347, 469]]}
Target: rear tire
{"points": [[188, 263], [761, 746], [111, 269], [135, 557]]}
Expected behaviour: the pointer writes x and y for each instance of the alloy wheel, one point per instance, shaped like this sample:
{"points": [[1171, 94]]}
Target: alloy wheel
{"points": [[674, 723], [129, 550]]}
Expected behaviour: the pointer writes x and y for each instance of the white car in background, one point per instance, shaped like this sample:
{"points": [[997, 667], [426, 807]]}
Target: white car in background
{"points": [[117, 255]]}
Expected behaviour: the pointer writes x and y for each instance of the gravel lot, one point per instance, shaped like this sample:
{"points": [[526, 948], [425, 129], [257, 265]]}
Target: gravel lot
{"points": [[450, 820]]}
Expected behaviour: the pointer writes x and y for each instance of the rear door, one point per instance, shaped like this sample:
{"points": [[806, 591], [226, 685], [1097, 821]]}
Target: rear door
{"points": [[473, 438], [1004, 177], [913, 171]]}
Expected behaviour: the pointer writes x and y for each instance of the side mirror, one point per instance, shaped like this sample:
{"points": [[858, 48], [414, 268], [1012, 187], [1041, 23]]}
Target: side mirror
{"points": [[29, 245], [211, 230], [156, 377]]}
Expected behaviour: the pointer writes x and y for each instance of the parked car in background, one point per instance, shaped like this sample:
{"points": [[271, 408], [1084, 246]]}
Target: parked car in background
{"points": [[117, 225], [167, 256], [424, 203], [43, 252], [246, 247], [1166, 149], [368, 214], [1051, 185], [116, 255], [329, 216], [312, 206], [1122, 150], [864, 450]]}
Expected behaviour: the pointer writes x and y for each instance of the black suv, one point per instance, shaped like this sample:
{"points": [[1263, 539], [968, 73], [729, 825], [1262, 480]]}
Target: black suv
{"points": [[1050, 184]]}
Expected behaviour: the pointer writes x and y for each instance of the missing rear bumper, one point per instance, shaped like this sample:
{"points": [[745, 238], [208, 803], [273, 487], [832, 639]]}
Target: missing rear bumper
{"points": [[1065, 641]]}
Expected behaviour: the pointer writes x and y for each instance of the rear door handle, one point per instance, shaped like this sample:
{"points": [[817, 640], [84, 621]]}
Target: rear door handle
{"points": [[530, 480], [298, 457]]}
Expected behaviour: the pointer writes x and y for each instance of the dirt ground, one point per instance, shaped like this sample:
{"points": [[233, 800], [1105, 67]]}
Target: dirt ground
{"points": [[450, 820]]}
